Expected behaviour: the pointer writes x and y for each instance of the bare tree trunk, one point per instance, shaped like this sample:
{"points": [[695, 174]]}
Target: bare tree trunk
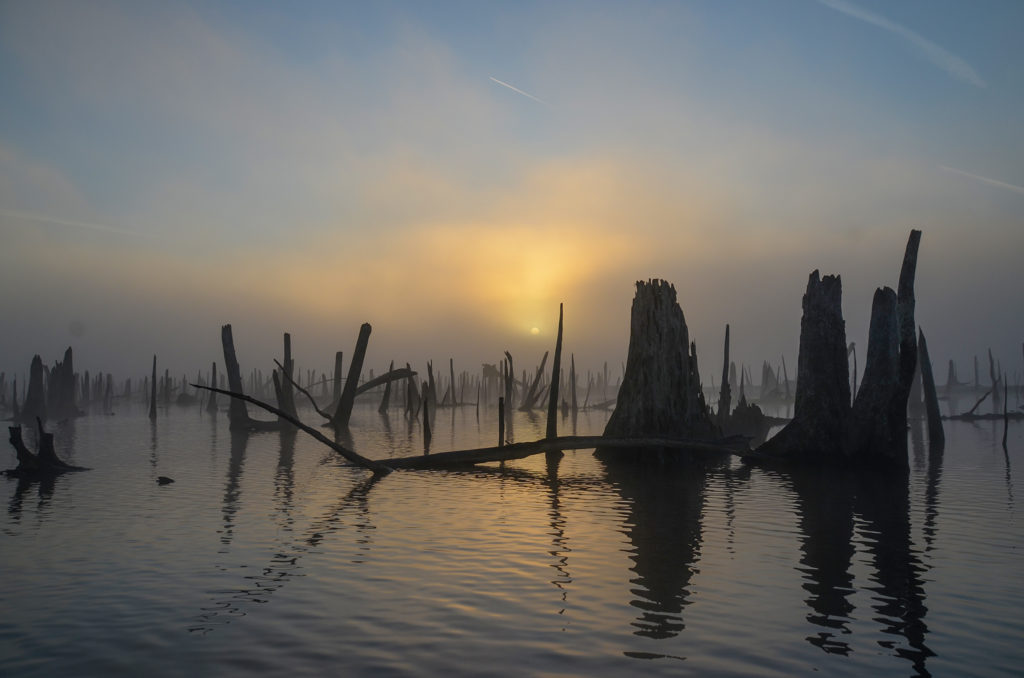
{"points": [[348, 393], [556, 365], [821, 408], [238, 416], [931, 399]]}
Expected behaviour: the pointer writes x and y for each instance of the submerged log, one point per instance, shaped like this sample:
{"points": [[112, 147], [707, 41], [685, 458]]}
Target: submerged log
{"points": [[660, 392]]}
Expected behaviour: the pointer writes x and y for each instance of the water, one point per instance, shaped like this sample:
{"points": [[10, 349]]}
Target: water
{"points": [[270, 556]]}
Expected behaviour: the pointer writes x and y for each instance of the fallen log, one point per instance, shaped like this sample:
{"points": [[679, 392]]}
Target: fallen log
{"points": [[512, 451]]}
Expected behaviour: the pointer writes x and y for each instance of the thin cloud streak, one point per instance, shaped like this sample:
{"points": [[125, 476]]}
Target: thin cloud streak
{"points": [[29, 216], [516, 89], [978, 177], [944, 59]]}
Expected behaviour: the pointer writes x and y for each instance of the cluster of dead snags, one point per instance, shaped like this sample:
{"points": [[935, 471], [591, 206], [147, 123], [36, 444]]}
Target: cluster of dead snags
{"points": [[661, 405]]}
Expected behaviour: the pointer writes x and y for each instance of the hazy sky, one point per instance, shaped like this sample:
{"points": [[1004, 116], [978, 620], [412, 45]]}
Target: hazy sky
{"points": [[451, 171]]}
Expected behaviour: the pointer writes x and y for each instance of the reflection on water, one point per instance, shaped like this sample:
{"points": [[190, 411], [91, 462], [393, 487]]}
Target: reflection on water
{"points": [[232, 487], [664, 526], [862, 572]]}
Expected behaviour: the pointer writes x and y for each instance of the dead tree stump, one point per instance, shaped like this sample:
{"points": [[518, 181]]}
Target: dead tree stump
{"points": [[936, 436], [660, 391], [821, 407]]}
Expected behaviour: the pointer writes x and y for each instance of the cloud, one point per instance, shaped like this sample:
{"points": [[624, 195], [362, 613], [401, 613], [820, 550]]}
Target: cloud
{"points": [[991, 182], [516, 89], [944, 59]]}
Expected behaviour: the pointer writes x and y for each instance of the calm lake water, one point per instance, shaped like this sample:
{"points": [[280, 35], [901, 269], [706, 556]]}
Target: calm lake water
{"points": [[269, 556]]}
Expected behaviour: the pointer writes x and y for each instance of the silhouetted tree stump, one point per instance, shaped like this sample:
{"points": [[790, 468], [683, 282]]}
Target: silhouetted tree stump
{"points": [[821, 407], [660, 393]]}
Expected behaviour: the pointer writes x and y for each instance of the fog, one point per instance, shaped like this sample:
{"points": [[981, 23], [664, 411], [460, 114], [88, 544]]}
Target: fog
{"points": [[165, 170]]}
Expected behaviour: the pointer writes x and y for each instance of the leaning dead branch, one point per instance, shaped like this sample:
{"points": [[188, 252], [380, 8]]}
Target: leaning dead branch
{"points": [[352, 456]]}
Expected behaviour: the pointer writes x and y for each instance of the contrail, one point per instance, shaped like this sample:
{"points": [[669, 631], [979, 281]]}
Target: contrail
{"points": [[516, 89], [29, 216], [947, 61], [978, 177]]}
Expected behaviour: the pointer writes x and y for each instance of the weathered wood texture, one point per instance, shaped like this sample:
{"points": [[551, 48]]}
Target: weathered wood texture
{"points": [[660, 392]]}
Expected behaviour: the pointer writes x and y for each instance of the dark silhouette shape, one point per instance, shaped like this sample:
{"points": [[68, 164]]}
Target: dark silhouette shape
{"points": [[666, 505]]}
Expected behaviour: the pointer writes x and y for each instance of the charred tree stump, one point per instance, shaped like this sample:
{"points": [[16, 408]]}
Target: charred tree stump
{"points": [[348, 393], [936, 435], [821, 407], [659, 395]]}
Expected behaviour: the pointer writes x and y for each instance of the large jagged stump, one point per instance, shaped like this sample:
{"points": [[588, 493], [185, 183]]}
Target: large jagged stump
{"points": [[660, 393]]}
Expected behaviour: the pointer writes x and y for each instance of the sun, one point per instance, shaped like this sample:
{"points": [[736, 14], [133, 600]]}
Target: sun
{"points": [[534, 331]]}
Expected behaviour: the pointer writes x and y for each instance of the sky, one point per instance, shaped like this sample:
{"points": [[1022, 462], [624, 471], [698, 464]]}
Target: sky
{"points": [[451, 171]]}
